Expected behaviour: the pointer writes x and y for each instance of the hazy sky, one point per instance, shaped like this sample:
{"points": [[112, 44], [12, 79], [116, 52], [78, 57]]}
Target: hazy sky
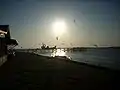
{"points": [[96, 21]]}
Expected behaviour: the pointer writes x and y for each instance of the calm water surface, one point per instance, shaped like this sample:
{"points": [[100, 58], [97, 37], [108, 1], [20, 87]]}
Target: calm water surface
{"points": [[102, 57]]}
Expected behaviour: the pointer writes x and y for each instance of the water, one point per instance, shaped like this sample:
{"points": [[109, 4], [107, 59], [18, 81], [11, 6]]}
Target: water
{"points": [[108, 57]]}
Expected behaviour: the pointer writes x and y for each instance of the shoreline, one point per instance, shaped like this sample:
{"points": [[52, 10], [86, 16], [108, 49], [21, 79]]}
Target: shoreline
{"points": [[81, 63], [28, 70]]}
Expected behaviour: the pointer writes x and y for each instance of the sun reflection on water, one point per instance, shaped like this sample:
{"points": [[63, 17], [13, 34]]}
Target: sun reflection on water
{"points": [[58, 52], [61, 53]]}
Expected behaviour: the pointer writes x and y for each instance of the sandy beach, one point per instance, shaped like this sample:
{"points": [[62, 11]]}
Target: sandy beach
{"points": [[29, 71]]}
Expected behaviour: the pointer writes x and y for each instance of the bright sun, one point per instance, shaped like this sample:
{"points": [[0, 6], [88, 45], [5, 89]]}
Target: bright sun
{"points": [[59, 27]]}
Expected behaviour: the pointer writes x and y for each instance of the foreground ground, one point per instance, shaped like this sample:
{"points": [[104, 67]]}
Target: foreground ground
{"points": [[28, 71]]}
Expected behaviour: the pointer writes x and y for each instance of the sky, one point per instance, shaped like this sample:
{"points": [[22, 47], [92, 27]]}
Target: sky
{"points": [[87, 22]]}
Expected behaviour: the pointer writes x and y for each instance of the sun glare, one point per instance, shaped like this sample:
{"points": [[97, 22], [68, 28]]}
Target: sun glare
{"points": [[58, 52], [59, 27]]}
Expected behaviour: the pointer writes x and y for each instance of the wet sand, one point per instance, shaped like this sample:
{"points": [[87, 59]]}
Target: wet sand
{"points": [[29, 71]]}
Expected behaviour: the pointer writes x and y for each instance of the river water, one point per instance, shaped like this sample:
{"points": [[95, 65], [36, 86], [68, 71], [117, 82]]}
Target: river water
{"points": [[106, 57]]}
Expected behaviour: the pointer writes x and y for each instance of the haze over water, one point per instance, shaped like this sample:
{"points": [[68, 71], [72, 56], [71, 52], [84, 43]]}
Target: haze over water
{"points": [[64, 23], [74, 22]]}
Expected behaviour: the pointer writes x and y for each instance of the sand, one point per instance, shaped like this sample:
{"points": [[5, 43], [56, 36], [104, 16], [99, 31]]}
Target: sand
{"points": [[29, 71]]}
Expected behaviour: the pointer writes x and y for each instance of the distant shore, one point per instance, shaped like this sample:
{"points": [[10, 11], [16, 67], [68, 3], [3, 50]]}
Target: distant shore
{"points": [[117, 47], [31, 71]]}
